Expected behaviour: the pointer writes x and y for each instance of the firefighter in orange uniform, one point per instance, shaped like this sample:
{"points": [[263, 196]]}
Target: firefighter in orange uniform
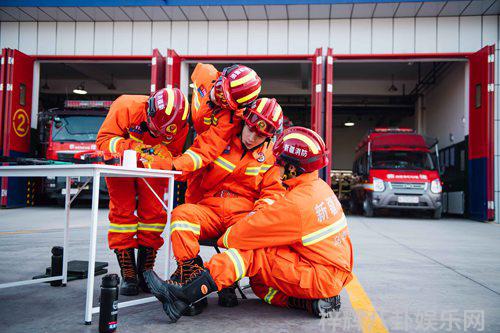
{"points": [[216, 111], [156, 124], [297, 251], [241, 180]]}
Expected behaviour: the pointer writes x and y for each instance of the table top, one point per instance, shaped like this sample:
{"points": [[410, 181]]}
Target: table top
{"points": [[82, 170]]}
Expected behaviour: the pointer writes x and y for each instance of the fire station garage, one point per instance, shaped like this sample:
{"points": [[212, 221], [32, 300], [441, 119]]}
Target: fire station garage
{"points": [[405, 94]]}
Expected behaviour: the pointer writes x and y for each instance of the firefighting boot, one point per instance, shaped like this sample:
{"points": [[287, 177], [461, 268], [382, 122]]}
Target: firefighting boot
{"points": [[227, 297], [317, 307], [184, 270], [176, 297], [146, 257], [126, 260]]}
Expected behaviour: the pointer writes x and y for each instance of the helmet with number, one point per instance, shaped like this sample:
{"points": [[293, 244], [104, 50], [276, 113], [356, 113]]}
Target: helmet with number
{"points": [[264, 116], [236, 87], [168, 112], [302, 148]]}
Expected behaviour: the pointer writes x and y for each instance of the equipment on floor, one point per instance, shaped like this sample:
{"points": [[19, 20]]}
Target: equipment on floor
{"points": [[108, 308], [77, 269]]}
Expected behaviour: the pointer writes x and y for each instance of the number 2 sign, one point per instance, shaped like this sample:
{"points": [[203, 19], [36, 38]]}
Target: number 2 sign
{"points": [[21, 123]]}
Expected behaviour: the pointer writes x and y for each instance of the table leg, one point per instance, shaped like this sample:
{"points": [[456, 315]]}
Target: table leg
{"points": [[66, 232], [167, 227], [92, 249]]}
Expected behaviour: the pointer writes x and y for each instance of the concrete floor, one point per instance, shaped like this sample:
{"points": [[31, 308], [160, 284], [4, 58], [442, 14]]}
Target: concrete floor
{"points": [[419, 275]]}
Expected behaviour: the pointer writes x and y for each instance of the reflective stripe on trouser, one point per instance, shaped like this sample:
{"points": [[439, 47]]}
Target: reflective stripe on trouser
{"points": [[205, 220], [127, 230], [279, 268]]}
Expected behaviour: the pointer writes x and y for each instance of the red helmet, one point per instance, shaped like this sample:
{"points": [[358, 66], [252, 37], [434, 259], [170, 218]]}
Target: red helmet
{"points": [[264, 116], [301, 147], [236, 87], [168, 111]]}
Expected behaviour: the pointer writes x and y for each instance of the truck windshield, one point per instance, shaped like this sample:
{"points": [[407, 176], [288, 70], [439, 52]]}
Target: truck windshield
{"points": [[77, 128], [408, 160]]}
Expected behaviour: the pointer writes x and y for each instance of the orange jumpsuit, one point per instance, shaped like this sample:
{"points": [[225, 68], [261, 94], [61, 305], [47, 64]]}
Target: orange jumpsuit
{"points": [[299, 246], [125, 128], [237, 182], [214, 127]]}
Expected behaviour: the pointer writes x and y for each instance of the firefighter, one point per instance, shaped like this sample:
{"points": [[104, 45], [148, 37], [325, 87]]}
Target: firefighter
{"points": [[241, 180], [217, 105], [156, 124], [297, 251]]}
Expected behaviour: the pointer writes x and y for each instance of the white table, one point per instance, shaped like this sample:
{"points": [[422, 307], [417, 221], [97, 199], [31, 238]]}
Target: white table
{"points": [[94, 172]]}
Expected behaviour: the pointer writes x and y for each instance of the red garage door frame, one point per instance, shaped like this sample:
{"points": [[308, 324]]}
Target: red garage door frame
{"points": [[481, 129]]}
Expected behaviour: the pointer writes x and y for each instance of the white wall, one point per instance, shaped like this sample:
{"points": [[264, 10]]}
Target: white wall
{"points": [[445, 110], [378, 35]]}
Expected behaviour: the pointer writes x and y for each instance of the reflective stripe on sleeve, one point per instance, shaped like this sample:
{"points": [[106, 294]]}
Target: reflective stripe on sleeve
{"points": [[113, 142], [197, 161], [224, 239], [325, 232]]}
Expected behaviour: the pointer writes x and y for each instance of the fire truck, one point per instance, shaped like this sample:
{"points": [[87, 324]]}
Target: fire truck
{"points": [[395, 169], [65, 132]]}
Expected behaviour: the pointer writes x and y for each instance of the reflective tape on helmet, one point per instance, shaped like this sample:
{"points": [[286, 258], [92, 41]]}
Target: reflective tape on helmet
{"points": [[186, 108], [239, 264], [225, 164], [243, 80], [277, 113], [197, 161], [113, 142], [325, 232], [270, 295], [249, 96], [170, 102], [184, 226], [263, 102], [122, 228], [304, 139], [156, 227]]}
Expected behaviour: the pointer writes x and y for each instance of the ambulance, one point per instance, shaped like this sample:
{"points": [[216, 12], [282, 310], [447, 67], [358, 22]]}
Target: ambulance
{"points": [[395, 169]]}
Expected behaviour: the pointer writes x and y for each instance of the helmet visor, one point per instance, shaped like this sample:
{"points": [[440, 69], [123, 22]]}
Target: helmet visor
{"points": [[260, 125]]}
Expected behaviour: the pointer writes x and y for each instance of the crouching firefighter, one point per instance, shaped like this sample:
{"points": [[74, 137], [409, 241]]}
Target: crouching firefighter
{"points": [[158, 125], [297, 252]]}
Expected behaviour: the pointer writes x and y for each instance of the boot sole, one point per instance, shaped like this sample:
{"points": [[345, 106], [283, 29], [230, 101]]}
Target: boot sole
{"points": [[161, 292], [195, 308]]}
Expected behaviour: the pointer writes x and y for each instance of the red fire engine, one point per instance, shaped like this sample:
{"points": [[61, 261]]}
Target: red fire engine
{"points": [[65, 132]]}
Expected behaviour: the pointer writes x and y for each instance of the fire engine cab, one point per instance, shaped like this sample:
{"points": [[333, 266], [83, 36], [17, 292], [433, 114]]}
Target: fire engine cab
{"points": [[66, 132], [395, 169]]}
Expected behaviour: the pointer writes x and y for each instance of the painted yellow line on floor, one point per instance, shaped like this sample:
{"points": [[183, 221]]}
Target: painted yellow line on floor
{"points": [[367, 316]]}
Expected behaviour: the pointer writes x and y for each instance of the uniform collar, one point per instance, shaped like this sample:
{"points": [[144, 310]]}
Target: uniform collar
{"points": [[302, 179]]}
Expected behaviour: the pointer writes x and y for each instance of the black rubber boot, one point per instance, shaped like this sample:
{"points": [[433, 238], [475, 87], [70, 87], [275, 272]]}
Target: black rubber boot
{"points": [[227, 297], [176, 297], [146, 257], [317, 307], [128, 270], [184, 270]]}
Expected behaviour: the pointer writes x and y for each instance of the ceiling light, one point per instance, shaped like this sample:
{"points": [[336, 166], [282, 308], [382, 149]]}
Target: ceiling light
{"points": [[80, 89], [349, 123]]}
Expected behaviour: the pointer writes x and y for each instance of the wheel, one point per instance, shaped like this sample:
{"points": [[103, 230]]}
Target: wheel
{"points": [[437, 213], [368, 210]]}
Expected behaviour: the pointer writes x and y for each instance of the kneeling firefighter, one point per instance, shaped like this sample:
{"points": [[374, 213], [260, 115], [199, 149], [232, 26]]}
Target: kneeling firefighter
{"points": [[296, 251]]}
